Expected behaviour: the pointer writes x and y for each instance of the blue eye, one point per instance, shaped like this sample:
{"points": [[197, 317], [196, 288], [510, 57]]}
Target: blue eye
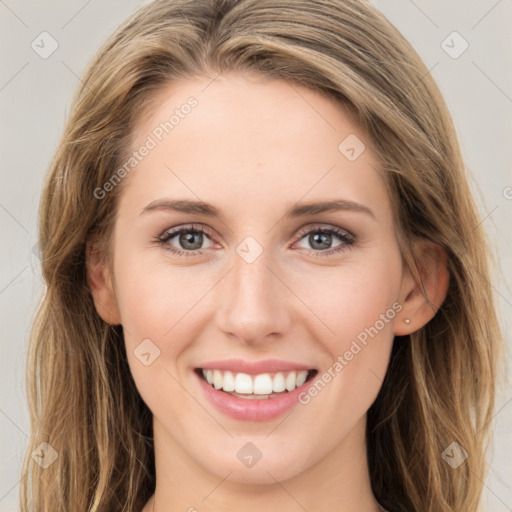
{"points": [[321, 240], [188, 238], [191, 238]]}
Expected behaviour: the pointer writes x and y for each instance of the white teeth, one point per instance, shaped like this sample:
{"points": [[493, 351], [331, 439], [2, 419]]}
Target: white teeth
{"points": [[291, 381], [217, 379], [301, 378], [278, 384], [229, 382], [263, 385], [254, 397], [243, 383]]}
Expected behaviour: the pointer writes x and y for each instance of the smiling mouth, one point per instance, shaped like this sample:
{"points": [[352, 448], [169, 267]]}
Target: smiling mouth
{"points": [[255, 387]]}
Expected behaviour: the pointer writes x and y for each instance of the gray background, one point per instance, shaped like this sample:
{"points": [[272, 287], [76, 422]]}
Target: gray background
{"points": [[34, 99]]}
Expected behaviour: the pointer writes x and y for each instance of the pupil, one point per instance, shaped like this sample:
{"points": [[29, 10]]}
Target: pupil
{"points": [[318, 237], [187, 239]]}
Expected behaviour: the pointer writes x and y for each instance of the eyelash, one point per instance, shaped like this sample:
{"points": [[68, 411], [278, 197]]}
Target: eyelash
{"points": [[346, 238]]}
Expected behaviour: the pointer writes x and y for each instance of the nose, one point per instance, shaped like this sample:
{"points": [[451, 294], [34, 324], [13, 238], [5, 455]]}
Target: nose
{"points": [[255, 302]]}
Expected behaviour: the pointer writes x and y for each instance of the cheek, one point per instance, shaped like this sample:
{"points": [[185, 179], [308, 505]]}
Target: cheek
{"points": [[359, 307], [163, 311], [351, 299], [154, 297], [153, 306]]}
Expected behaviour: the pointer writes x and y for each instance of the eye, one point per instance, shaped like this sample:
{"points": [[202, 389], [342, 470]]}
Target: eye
{"points": [[188, 238], [322, 240]]}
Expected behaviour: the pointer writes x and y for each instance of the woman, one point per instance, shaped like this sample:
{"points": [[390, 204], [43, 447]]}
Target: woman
{"points": [[267, 284]]}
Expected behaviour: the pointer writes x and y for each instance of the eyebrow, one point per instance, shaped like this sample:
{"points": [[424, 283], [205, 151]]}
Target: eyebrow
{"points": [[299, 210]]}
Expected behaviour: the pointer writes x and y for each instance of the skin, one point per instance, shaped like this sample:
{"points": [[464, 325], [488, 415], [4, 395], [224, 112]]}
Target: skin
{"points": [[255, 147]]}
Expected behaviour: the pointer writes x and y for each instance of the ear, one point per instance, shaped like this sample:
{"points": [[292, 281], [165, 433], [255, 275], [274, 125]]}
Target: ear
{"points": [[422, 295], [99, 281]]}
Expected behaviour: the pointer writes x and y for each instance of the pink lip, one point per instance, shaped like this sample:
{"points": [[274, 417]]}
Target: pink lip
{"points": [[252, 410], [254, 368]]}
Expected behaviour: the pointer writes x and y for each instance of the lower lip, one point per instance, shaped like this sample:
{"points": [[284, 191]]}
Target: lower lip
{"points": [[252, 410]]}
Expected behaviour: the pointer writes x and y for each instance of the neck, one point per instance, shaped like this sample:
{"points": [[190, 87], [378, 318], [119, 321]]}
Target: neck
{"points": [[339, 481]]}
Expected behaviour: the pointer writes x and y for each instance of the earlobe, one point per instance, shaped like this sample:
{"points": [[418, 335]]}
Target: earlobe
{"points": [[422, 295], [99, 281]]}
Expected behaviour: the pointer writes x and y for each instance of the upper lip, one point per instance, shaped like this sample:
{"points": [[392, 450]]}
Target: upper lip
{"points": [[254, 367]]}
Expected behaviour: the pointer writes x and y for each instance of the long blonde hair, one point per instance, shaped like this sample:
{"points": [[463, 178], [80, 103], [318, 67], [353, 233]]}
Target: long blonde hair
{"points": [[440, 384]]}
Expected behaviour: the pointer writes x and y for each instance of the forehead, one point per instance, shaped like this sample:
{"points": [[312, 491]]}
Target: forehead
{"points": [[247, 140]]}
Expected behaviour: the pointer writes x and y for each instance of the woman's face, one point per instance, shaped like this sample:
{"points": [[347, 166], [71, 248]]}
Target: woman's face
{"points": [[262, 284]]}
